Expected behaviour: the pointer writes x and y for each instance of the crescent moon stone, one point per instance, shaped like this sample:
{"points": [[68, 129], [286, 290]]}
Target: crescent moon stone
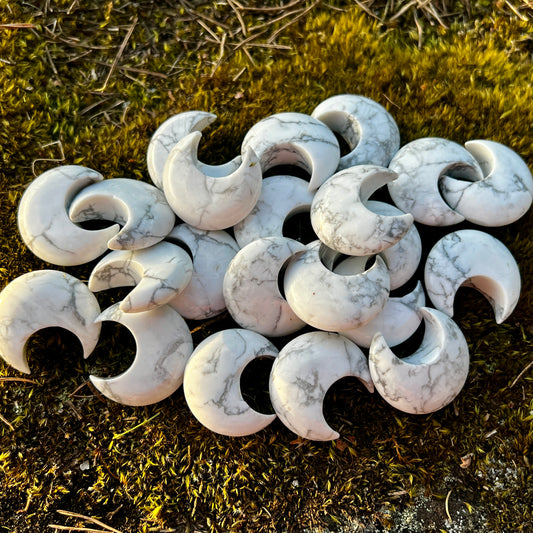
{"points": [[212, 381], [432, 376], [295, 139], [503, 195], [280, 198], [397, 322], [333, 302], [43, 220], [421, 166], [138, 206], [344, 223], [251, 288], [475, 259], [209, 202], [304, 370], [159, 272], [43, 299], [367, 127], [212, 252], [164, 345], [170, 133]]}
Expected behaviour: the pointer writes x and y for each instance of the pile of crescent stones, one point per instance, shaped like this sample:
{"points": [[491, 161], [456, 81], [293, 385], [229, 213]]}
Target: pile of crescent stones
{"points": [[206, 238]]}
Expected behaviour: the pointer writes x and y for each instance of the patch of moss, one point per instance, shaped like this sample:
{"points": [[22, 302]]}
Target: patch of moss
{"points": [[156, 468]]}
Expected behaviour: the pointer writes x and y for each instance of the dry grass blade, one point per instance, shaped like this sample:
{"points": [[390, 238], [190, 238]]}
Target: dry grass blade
{"points": [[292, 21], [7, 423], [119, 54], [24, 380], [87, 519], [521, 374], [71, 528]]}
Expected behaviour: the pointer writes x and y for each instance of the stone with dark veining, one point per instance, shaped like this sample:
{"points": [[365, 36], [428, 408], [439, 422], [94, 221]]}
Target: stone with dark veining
{"points": [[475, 259], [163, 346], [139, 207], [212, 381], [367, 127], [303, 372], [432, 376], [251, 288]]}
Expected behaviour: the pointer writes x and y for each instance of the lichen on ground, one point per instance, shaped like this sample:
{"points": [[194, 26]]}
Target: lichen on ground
{"points": [[88, 83]]}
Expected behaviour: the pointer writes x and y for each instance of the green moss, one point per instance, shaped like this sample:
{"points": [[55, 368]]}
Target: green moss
{"points": [[157, 468]]}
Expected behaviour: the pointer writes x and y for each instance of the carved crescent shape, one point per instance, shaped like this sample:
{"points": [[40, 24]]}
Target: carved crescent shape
{"points": [[502, 196], [44, 223], [280, 198], [212, 381], [140, 207], [44, 299], [251, 288], [432, 376], [421, 166], [330, 301], [163, 346], [170, 133], [159, 272], [399, 320], [344, 223], [304, 370], [367, 127], [212, 252], [207, 202], [295, 139], [475, 259], [403, 257]]}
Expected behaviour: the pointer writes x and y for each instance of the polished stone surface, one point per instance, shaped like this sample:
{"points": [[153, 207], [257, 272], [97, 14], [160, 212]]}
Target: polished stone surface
{"points": [[295, 139], [44, 299], [212, 381], [330, 301], [474, 259], [503, 195], [367, 127], [45, 226], [251, 287], [139, 207], [211, 253], [301, 375], [164, 345], [280, 198], [209, 202], [421, 166], [398, 320], [342, 220], [432, 376], [159, 273]]}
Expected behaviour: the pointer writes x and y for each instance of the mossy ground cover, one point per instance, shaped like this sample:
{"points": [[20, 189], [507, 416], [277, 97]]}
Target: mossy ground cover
{"points": [[88, 83]]}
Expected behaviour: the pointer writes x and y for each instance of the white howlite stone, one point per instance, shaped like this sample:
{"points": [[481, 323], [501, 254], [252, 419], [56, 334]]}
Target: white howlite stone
{"points": [[503, 195], [366, 126], [209, 202], [301, 375], [45, 226], [281, 197], [164, 345], [212, 252], [402, 258], [342, 220], [432, 376], [421, 166], [212, 382], [44, 299], [159, 273], [475, 259], [329, 301], [139, 207], [170, 133], [398, 320], [251, 289], [295, 139]]}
